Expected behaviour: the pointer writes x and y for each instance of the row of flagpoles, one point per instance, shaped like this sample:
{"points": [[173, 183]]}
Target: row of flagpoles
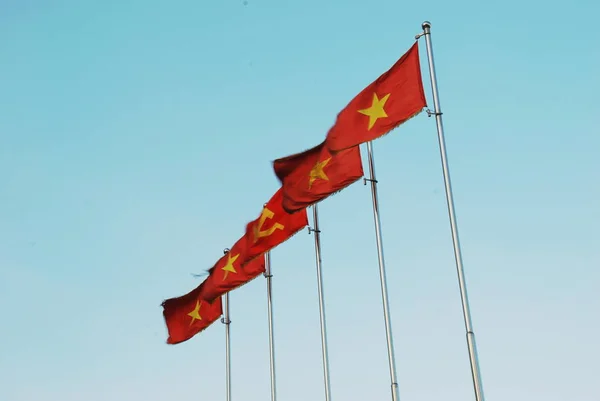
{"points": [[218, 304]]}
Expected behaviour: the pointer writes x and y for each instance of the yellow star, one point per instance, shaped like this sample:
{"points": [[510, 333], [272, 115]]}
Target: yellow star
{"points": [[376, 110], [195, 314], [229, 268], [317, 172]]}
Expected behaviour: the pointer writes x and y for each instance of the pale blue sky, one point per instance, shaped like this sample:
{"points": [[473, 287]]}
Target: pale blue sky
{"points": [[135, 144]]}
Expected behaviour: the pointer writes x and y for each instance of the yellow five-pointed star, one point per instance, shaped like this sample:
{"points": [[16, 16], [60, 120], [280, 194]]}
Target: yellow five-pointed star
{"points": [[317, 172], [229, 268], [195, 314], [376, 110]]}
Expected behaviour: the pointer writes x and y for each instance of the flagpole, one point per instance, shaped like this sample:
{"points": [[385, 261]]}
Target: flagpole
{"points": [[475, 371], [325, 353], [382, 275], [227, 322], [269, 277]]}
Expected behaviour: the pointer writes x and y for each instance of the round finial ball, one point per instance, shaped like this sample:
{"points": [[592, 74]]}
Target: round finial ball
{"points": [[426, 25]]}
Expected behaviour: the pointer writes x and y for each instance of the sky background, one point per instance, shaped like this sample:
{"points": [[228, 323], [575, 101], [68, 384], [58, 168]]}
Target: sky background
{"points": [[135, 144]]}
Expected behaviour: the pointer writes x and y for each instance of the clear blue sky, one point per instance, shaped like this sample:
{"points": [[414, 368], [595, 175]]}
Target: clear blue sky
{"points": [[135, 144]]}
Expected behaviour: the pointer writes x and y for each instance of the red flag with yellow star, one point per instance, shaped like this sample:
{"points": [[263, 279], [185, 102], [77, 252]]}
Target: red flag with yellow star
{"points": [[395, 97], [273, 227], [189, 314], [313, 175], [231, 271]]}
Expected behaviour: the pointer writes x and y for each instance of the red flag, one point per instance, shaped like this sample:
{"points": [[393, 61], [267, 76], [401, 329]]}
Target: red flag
{"points": [[232, 271], [389, 101], [189, 314], [273, 227], [313, 175]]}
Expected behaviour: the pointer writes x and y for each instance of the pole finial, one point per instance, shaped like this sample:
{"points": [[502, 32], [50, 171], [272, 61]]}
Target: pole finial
{"points": [[426, 25]]}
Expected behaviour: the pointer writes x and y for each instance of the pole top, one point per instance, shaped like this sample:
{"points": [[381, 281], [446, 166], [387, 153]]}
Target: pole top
{"points": [[426, 25]]}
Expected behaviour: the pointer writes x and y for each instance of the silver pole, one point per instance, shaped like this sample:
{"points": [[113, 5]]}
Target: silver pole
{"points": [[382, 276], [317, 232], [269, 277], [475, 371], [227, 322]]}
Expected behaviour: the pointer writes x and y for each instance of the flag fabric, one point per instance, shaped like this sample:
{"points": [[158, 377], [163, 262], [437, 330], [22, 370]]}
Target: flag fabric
{"points": [[273, 227], [313, 175], [189, 314], [395, 97], [232, 271]]}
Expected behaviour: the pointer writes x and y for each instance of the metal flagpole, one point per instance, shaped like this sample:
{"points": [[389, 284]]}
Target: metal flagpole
{"points": [[227, 322], [475, 371], [317, 232], [382, 275], [269, 277]]}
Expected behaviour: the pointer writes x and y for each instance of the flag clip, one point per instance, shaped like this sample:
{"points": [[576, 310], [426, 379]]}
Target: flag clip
{"points": [[432, 113], [368, 179], [312, 230]]}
